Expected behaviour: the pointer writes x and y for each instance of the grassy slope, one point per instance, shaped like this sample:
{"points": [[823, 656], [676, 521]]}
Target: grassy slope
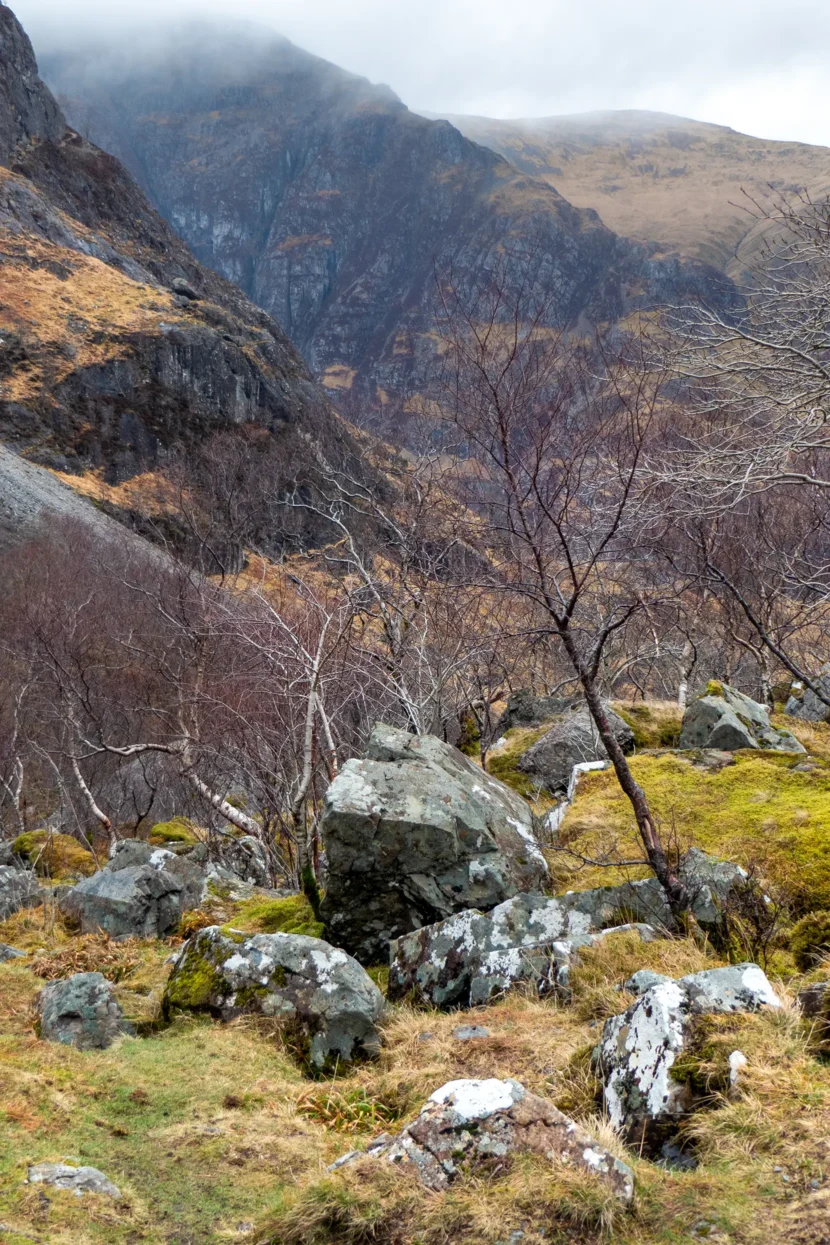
{"points": [[213, 1134], [663, 179]]}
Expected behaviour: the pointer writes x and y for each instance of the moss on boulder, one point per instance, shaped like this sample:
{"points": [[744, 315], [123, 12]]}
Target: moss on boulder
{"points": [[56, 856]]}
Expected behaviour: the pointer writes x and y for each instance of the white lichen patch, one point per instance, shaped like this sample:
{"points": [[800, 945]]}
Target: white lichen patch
{"points": [[477, 1100]]}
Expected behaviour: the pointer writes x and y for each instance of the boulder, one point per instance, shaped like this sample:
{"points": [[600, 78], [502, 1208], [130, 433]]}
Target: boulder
{"points": [[808, 707], [320, 989], [138, 901], [18, 889], [640, 1047], [572, 740], [477, 1123], [130, 853], [81, 1011], [10, 953], [242, 859], [78, 1180], [414, 832], [725, 719], [710, 882], [525, 709], [471, 957]]}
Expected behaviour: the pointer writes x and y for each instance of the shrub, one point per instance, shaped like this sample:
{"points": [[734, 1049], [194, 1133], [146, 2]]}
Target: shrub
{"points": [[57, 856], [810, 939]]}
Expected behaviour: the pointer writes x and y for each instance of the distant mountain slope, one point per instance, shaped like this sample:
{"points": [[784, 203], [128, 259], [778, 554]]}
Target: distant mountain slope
{"points": [[657, 177], [104, 363], [331, 203]]}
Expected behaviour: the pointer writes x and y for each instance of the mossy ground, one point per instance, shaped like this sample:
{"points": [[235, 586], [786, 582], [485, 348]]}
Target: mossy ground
{"points": [[55, 856]]}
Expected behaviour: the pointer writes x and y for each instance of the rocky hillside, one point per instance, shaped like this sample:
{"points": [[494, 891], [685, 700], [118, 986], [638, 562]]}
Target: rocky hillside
{"points": [[658, 177], [116, 346], [330, 203]]}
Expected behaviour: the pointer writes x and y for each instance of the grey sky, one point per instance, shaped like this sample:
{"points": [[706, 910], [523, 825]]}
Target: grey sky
{"points": [[761, 66]]}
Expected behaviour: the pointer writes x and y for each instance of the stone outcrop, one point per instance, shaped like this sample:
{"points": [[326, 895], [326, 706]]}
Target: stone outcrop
{"points": [[18, 889], [314, 987], [138, 901], [133, 853], [471, 958], [808, 706], [81, 1011], [640, 1047], [571, 740], [78, 1180], [726, 719], [414, 832], [469, 1123]]}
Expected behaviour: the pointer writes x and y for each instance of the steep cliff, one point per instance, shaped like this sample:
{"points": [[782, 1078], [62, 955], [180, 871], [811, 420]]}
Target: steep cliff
{"points": [[331, 204], [116, 345]]}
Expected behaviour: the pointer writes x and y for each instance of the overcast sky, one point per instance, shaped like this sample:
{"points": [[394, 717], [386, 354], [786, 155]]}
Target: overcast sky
{"points": [[762, 66]]}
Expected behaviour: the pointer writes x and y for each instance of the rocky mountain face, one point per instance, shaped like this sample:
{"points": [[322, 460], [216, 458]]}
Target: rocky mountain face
{"points": [[685, 184], [332, 205], [116, 345]]}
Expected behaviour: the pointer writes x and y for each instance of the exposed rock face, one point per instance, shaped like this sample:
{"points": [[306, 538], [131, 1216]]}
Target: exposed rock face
{"points": [[726, 719], [104, 362], [298, 979], [414, 832], [809, 708], [138, 901], [471, 958], [18, 889], [640, 1047], [79, 1180], [572, 740], [331, 203], [470, 1122], [81, 1011]]}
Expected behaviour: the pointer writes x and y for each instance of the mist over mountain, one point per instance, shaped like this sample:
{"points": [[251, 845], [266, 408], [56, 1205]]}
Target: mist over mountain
{"points": [[332, 205]]}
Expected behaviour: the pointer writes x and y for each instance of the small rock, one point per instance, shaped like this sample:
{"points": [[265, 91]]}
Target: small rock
{"points": [[179, 286], [469, 1033], [10, 953], [676, 1159], [737, 1062], [79, 1180], [18, 889], [426, 1037], [81, 1011]]}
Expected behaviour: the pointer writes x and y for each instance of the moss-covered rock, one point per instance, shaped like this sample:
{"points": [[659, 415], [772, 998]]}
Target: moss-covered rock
{"points": [[810, 940], [56, 856], [292, 915], [177, 830]]}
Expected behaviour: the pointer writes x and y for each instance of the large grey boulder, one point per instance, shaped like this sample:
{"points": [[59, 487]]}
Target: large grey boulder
{"points": [[809, 707], [467, 1123], [78, 1180], [81, 1011], [18, 889], [572, 740], [318, 988], [414, 832], [130, 853], [726, 719], [711, 884], [471, 958], [640, 1047], [138, 901]]}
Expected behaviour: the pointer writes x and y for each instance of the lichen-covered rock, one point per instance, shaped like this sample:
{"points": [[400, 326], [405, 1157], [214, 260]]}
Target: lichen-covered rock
{"points": [[809, 707], [472, 958], [18, 889], [641, 981], [138, 901], [726, 719], [78, 1180], [414, 832], [640, 1047], [469, 1122], [130, 853], [710, 882], [571, 740], [81, 1011], [318, 988]]}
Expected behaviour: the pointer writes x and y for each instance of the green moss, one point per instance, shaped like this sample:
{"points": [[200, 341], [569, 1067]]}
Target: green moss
{"points": [[293, 915], [380, 976], [703, 1065], [502, 764], [759, 811], [178, 830], [56, 856], [714, 688], [194, 985], [810, 940]]}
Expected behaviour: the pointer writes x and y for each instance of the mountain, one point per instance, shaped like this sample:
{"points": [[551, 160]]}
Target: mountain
{"points": [[116, 346], [331, 204], [660, 178]]}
